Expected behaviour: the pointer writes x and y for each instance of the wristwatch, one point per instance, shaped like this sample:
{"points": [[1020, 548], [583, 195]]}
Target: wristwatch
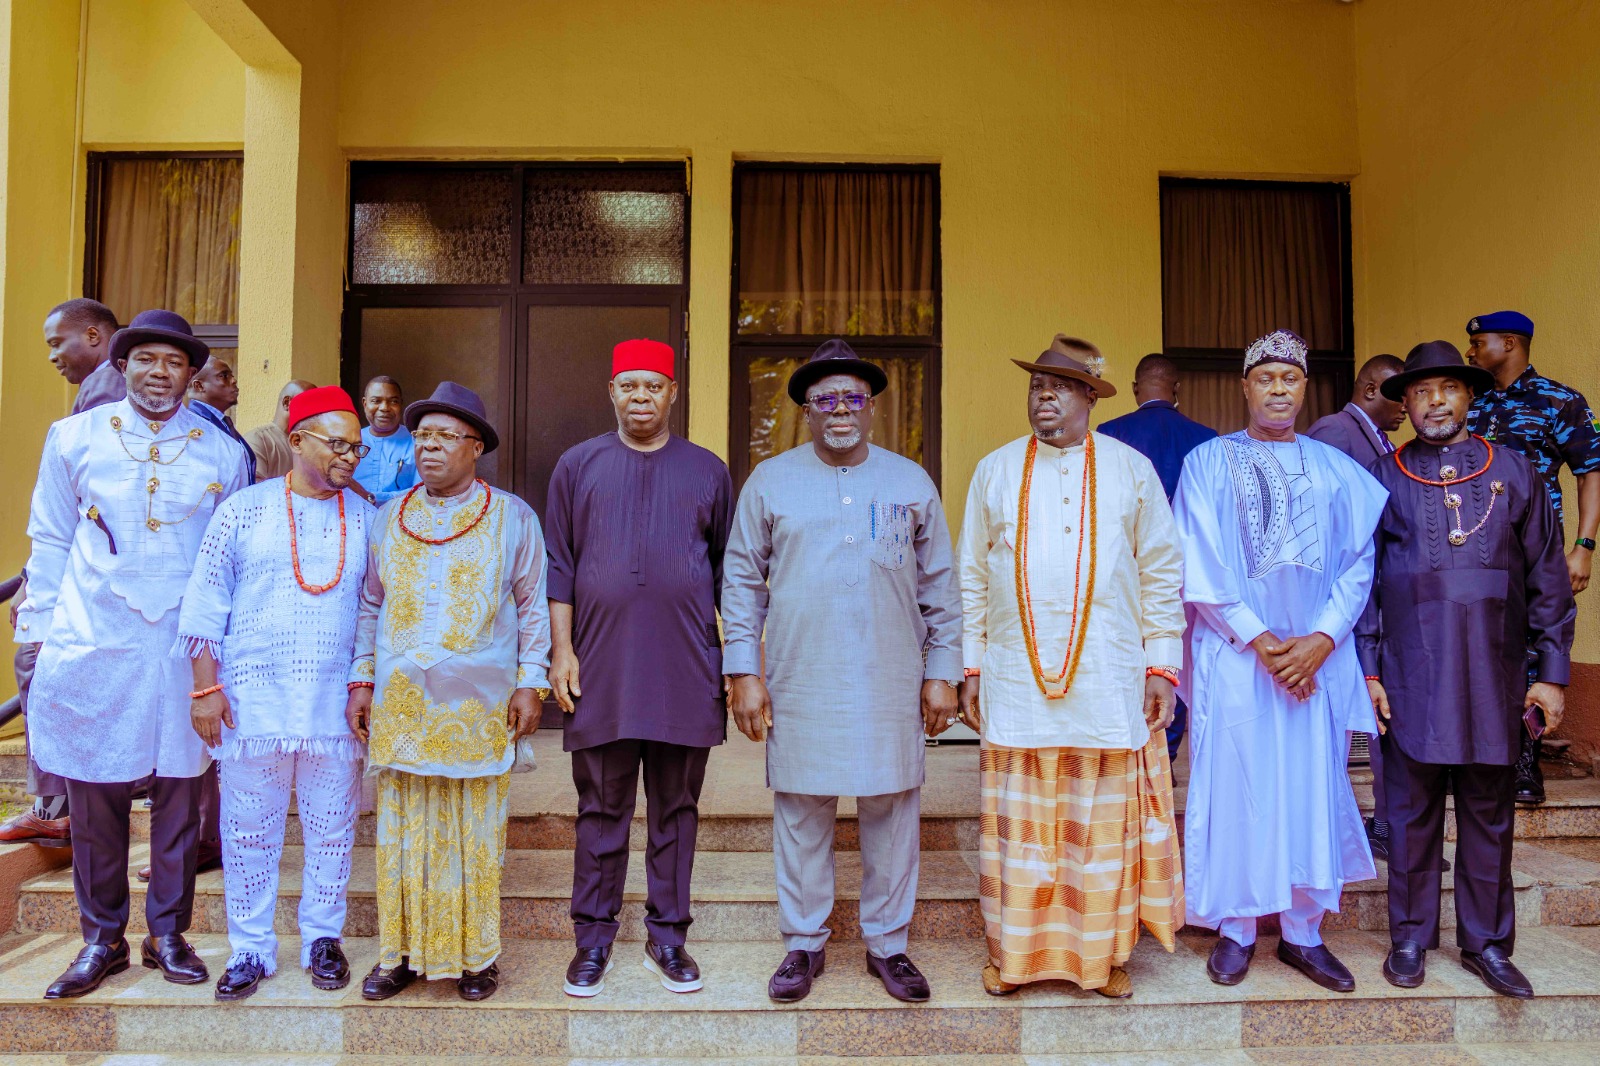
{"points": [[1585, 542]]}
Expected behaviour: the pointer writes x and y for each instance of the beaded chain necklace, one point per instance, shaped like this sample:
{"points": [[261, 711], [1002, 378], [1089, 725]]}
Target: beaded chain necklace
{"points": [[152, 523], [1086, 532], [1449, 480], [294, 540], [487, 495]]}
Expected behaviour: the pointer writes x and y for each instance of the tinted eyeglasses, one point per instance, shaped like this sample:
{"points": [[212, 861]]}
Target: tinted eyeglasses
{"points": [[340, 447], [446, 437], [827, 403]]}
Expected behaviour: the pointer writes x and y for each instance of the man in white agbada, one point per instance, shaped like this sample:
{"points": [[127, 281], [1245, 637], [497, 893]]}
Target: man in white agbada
{"points": [[1278, 561], [121, 503], [270, 622]]}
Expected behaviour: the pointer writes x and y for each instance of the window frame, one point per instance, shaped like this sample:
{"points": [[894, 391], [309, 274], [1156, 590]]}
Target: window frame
{"points": [[215, 334], [742, 347]]}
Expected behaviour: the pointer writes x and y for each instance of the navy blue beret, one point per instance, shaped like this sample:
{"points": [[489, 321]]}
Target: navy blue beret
{"points": [[1502, 322]]}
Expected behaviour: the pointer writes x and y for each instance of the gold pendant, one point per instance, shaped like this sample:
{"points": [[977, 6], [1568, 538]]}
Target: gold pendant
{"points": [[1447, 473], [1458, 537], [1452, 500], [154, 524]]}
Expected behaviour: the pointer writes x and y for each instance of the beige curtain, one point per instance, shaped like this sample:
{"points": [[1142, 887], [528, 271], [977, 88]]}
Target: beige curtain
{"points": [[837, 252], [777, 423], [169, 237], [1216, 398]]}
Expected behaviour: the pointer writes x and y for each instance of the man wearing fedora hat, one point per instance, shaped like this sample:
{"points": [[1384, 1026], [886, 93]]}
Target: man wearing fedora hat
{"points": [[1470, 577], [452, 649], [119, 509], [841, 556], [1074, 636]]}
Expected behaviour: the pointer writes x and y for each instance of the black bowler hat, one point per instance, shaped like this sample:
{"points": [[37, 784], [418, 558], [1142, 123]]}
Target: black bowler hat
{"points": [[1433, 359], [834, 357], [460, 401], [160, 327]]}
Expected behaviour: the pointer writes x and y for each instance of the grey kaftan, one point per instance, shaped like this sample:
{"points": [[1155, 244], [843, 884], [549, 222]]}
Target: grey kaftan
{"points": [[850, 571]]}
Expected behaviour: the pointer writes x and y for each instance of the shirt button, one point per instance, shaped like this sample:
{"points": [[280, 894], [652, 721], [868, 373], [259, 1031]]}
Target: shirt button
{"points": [[847, 499], [432, 585], [1069, 529], [844, 470], [849, 540], [1066, 499], [23, 626]]}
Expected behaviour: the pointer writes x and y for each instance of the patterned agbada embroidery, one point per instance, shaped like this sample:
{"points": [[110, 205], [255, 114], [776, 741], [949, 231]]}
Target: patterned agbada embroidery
{"points": [[473, 566], [409, 730], [1277, 517]]}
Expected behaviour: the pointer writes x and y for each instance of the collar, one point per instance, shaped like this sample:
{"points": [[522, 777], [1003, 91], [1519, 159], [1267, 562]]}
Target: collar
{"points": [[1356, 410], [1159, 403], [1049, 451], [205, 409], [401, 435], [1522, 383], [457, 500], [181, 419]]}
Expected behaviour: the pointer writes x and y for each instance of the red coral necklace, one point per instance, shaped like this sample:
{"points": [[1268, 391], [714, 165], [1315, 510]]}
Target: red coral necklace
{"points": [[294, 541], [414, 535]]}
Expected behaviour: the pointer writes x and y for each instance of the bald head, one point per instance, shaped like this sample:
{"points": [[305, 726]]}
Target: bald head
{"points": [[1385, 414], [285, 394], [1155, 378]]}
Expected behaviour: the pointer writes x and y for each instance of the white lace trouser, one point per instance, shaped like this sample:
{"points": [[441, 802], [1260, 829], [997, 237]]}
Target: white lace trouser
{"points": [[255, 806], [1301, 924]]}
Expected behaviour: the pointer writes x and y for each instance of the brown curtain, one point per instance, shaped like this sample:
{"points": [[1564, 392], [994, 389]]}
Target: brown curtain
{"points": [[1216, 398], [777, 423], [169, 237], [837, 252]]}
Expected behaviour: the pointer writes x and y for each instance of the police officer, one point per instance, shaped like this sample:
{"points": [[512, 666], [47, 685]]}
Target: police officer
{"points": [[1550, 424]]}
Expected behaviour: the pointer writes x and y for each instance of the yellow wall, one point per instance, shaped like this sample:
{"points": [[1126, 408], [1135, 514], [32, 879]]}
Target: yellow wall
{"points": [[1479, 149]]}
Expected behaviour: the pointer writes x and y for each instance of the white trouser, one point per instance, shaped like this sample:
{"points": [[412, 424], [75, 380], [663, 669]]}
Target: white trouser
{"points": [[255, 806], [1301, 923]]}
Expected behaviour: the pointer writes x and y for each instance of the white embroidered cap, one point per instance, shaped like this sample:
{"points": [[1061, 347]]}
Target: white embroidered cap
{"points": [[1279, 346]]}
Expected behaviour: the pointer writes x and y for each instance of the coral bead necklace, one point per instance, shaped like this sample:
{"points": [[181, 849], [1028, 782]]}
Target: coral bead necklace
{"points": [[294, 540], [1086, 532]]}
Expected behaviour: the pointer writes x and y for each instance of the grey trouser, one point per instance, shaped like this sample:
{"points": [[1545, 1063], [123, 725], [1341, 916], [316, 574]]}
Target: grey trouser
{"points": [[891, 851]]}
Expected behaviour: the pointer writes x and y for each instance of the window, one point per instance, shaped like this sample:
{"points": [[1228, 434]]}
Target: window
{"points": [[825, 252], [1240, 259], [163, 231]]}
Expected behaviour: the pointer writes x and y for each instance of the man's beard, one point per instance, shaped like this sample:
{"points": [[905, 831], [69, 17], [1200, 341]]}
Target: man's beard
{"points": [[841, 442], [1050, 434], [1438, 433], [157, 405]]}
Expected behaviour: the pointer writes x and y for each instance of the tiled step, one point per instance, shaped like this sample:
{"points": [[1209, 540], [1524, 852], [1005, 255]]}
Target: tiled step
{"points": [[1546, 1054], [1276, 1014], [735, 896]]}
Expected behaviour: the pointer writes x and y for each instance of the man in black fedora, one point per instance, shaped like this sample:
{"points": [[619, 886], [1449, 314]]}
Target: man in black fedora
{"points": [[119, 510], [1469, 577]]}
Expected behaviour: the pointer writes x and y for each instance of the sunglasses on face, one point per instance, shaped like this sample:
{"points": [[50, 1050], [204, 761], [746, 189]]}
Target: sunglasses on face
{"points": [[828, 404], [445, 437], [340, 447]]}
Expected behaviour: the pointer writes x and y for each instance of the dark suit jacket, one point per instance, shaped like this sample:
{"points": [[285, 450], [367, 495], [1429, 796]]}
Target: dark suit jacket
{"points": [[1161, 435], [224, 423], [1348, 431]]}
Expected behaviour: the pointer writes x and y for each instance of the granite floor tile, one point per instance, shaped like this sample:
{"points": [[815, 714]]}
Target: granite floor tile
{"points": [[56, 1028], [1369, 1055], [1497, 1019], [995, 1031], [1131, 1026], [374, 1030], [1546, 1054], [262, 1028], [1347, 1021], [682, 1034]]}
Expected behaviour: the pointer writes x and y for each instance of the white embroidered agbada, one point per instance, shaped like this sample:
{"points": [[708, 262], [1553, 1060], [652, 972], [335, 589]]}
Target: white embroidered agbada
{"points": [[1276, 536], [119, 510]]}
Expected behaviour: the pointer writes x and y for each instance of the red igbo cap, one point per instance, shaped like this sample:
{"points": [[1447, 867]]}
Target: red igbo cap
{"points": [[319, 401], [642, 355]]}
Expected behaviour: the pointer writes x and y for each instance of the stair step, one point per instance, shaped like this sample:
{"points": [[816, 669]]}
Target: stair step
{"points": [[735, 896], [1174, 1007]]}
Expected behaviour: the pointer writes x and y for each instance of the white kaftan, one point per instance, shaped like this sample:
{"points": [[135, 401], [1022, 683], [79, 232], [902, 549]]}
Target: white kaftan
{"points": [[119, 510], [1276, 537]]}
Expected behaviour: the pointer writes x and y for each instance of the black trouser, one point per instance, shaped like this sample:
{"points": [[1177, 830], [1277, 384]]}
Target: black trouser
{"points": [[1485, 829], [100, 855], [607, 777]]}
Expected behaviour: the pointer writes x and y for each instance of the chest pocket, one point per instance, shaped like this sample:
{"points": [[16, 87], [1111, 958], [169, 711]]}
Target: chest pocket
{"points": [[892, 529]]}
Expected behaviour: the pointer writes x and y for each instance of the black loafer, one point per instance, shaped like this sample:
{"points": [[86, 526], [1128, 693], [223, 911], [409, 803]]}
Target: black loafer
{"points": [[792, 981], [1230, 961], [674, 965], [1378, 842], [329, 968], [586, 973], [900, 977], [1498, 972], [1319, 964], [93, 965], [240, 980], [177, 961], [381, 983], [481, 985], [1406, 965]]}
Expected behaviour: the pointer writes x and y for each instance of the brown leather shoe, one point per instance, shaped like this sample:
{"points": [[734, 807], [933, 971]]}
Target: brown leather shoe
{"points": [[209, 857], [29, 828], [994, 984], [1118, 986]]}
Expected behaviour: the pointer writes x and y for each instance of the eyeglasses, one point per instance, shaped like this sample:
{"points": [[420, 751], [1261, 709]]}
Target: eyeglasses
{"points": [[445, 437], [827, 404], [340, 447]]}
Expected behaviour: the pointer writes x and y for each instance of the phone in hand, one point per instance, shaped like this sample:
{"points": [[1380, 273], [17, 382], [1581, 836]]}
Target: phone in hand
{"points": [[1533, 719]]}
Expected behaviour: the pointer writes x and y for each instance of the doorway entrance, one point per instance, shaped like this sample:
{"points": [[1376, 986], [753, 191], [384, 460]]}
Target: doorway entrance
{"points": [[516, 279]]}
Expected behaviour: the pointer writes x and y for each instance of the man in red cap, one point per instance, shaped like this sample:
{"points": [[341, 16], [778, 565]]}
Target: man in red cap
{"points": [[269, 621], [637, 523]]}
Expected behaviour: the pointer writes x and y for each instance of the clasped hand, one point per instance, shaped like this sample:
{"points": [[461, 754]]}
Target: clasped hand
{"points": [[1294, 663]]}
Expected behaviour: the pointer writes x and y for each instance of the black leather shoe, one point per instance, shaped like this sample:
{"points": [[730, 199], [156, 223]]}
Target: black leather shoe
{"points": [[586, 973], [1498, 972], [1530, 776], [177, 961], [1406, 965], [94, 964], [674, 965], [1377, 841], [792, 981], [329, 968], [1319, 964], [900, 977], [481, 985], [1230, 961], [381, 983], [240, 980]]}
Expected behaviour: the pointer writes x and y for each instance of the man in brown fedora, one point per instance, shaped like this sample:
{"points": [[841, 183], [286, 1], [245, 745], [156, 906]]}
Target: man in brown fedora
{"points": [[1070, 572]]}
